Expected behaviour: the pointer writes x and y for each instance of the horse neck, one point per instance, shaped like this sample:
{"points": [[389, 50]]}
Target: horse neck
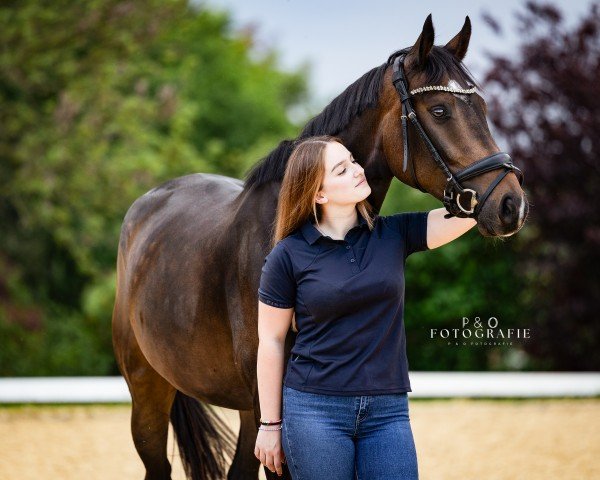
{"points": [[364, 139]]}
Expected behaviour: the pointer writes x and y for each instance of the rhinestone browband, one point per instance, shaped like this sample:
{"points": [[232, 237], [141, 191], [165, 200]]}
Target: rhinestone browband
{"points": [[443, 88]]}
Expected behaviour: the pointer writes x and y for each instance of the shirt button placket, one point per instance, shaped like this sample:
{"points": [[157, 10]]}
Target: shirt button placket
{"points": [[352, 259]]}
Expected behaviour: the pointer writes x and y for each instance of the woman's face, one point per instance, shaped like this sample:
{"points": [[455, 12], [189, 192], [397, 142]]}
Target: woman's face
{"points": [[344, 181]]}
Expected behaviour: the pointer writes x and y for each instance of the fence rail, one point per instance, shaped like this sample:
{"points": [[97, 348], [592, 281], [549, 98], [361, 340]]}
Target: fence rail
{"points": [[423, 384]]}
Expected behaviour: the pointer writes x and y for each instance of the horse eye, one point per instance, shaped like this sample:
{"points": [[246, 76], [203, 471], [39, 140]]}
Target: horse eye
{"points": [[438, 112]]}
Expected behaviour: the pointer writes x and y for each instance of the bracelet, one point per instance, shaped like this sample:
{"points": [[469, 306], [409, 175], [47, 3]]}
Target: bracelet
{"points": [[270, 429], [270, 422]]}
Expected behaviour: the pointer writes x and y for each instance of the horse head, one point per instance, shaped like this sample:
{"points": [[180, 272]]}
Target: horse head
{"points": [[435, 135]]}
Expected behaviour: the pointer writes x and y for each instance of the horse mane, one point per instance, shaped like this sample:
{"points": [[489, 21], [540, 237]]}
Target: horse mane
{"points": [[354, 100]]}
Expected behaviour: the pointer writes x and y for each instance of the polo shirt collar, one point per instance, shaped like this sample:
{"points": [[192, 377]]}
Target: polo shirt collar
{"points": [[311, 234]]}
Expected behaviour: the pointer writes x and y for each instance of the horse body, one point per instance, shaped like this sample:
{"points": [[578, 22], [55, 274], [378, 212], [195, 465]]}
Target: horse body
{"points": [[168, 240], [191, 252], [184, 318]]}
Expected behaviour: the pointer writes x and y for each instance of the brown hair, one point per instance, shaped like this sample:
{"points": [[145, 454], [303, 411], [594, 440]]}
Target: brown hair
{"points": [[302, 180]]}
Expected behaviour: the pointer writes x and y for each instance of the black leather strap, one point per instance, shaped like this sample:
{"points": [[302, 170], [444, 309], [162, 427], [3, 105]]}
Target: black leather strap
{"points": [[489, 190], [453, 189], [486, 164]]}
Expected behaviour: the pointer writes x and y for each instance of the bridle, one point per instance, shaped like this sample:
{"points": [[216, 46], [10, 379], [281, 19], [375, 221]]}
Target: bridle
{"points": [[459, 201]]}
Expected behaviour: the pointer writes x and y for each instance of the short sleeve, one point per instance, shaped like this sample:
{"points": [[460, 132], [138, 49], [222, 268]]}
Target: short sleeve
{"points": [[412, 226], [277, 282]]}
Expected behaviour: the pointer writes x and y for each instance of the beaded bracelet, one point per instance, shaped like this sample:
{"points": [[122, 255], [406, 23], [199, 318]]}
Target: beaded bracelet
{"points": [[269, 429]]}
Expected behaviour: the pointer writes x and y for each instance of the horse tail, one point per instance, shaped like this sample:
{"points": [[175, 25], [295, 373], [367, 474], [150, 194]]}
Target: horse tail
{"points": [[204, 440]]}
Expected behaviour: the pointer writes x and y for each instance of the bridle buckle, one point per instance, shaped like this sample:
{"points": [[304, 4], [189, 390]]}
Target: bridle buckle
{"points": [[473, 202]]}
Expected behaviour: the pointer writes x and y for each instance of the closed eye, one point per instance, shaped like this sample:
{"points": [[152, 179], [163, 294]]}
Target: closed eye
{"points": [[344, 170]]}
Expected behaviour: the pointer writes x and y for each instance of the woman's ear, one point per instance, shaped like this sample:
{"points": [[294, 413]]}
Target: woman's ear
{"points": [[320, 198]]}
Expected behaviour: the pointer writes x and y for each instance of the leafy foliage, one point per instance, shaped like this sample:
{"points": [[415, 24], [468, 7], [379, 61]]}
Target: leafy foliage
{"points": [[102, 101], [547, 107]]}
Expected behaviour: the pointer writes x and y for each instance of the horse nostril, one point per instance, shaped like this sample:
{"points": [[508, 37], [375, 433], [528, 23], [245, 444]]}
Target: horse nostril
{"points": [[508, 210]]}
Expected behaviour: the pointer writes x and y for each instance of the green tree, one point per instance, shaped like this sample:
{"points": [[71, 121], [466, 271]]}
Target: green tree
{"points": [[100, 102]]}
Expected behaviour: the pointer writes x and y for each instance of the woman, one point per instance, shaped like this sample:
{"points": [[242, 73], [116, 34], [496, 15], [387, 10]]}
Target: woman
{"points": [[342, 411]]}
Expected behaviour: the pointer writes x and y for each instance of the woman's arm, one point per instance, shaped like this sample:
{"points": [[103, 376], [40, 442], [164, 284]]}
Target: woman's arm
{"points": [[442, 230], [273, 325]]}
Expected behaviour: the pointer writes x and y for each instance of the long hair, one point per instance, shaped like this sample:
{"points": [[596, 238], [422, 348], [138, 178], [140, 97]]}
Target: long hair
{"points": [[303, 178]]}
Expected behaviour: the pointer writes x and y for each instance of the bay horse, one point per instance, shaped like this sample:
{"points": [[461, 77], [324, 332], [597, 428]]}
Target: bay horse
{"points": [[191, 250]]}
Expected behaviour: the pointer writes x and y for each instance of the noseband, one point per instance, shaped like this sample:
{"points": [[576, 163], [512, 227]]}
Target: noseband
{"points": [[459, 201]]}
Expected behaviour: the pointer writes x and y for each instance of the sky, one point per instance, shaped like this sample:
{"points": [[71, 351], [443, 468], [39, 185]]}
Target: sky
{"points": [[339, 40]]}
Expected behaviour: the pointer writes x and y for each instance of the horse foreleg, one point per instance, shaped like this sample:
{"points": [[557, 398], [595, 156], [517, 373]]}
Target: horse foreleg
{"points": [[150, 425], [152, 398]]}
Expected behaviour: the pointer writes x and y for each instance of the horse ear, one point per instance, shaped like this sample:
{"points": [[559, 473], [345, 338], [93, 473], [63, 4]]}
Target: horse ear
{"points": [[459, 44], [424, 43]]}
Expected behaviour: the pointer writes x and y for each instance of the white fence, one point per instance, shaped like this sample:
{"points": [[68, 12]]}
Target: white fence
{"points": [[423, 384]]}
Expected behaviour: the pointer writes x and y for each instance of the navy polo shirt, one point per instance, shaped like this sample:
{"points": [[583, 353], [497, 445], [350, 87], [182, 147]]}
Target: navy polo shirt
{"points": [[348, 297]]}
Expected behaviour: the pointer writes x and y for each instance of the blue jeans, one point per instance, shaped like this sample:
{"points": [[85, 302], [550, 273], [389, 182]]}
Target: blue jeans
{"points": [[364, 437]]}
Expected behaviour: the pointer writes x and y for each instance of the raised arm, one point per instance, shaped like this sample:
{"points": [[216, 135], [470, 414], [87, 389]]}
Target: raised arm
{"points": [[442, 230]]}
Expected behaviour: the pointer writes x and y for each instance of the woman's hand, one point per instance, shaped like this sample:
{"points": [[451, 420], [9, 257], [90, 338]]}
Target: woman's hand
{"points": [[269, 451]]}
